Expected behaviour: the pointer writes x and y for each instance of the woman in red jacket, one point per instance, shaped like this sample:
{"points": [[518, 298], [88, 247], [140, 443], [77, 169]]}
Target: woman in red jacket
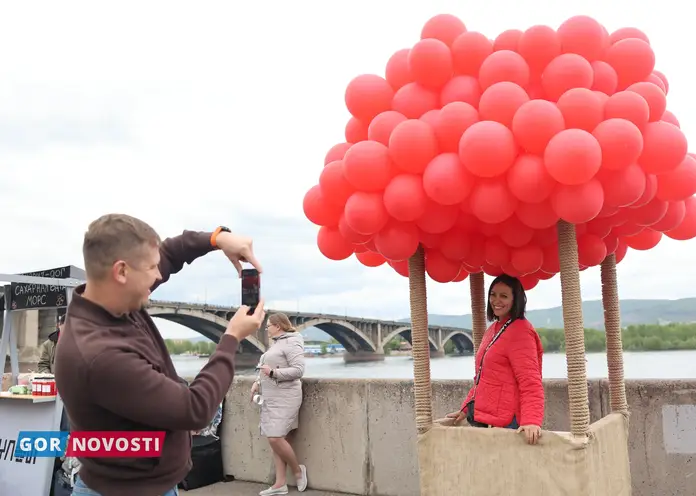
{"points": [[507, 390]]}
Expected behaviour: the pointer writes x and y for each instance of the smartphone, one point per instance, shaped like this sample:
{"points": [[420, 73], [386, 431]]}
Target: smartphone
{"points": [[251, 289]]}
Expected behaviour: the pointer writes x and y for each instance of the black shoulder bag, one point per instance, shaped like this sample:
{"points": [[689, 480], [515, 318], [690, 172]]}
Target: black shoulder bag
{"points": [[470, 406]]}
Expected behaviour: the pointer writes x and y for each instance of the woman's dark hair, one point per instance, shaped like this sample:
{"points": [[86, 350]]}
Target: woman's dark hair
{"points": [[519, 297]]}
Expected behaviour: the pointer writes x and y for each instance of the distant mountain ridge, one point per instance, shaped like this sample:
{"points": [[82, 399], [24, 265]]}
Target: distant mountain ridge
{"points": [[633, 312]]}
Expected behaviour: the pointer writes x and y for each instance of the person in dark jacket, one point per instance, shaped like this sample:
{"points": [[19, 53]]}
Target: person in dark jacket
{"points": [[113, 369], [507, 391], [48, 348]]}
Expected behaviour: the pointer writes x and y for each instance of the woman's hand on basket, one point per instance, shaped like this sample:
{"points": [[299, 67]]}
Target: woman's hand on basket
{"points": [[457, 416], [532, 433]]}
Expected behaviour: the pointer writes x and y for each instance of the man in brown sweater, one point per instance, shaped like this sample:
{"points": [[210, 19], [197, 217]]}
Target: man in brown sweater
{"points": [[113, 370]]}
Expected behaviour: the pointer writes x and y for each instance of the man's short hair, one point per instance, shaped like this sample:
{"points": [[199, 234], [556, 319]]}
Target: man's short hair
{"points": [[114, 237]]}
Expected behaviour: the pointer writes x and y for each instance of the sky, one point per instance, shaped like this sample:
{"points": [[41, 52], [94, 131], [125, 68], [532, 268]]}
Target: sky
{"points": [[191, 116]]}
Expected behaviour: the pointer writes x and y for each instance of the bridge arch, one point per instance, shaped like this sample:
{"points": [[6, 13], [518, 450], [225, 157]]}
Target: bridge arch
{"points": [[350, 337], [461, 339], [207, 324], [405, 332]]}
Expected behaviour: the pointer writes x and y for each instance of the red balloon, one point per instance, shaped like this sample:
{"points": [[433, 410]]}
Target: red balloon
{"points": [[430, 117], [591, 250], [649, 214], [451, 122], [528, 179], [413, 145], [551, 263], [527, 259], [687, 227], [644, 240], [469, 51], [492, 202], [664, 147], [496, 252], [350, 235], [446, 181], [405, 198], [581, 109], [455, 244], [332, 245], [504, 65], [529, 282], [437, 218], [397, 72], [537, 215], [515, 233], [535, 123], [463, 274], [650, 190], [370, 259], [573, 157], [539, 45], [400, 267], [337, 152], [397, 240], [440, 268], [671, 118], [565, 72], [367, 166], [621, 143], [674, 216], [365, 212], [430, 62], [584, 36], [461, 89], [632, 59], [487, 148], [381, 127], [579, 203], [605, 78], [625, 33], [356, 130], [318, 210], [678, 184], [368, 95], [334, 186], [654, 96], [663, 78], [622, 187], [443, 27], [627, 105], [500, 101], [414, 100], [507, 40], [621, 251]]}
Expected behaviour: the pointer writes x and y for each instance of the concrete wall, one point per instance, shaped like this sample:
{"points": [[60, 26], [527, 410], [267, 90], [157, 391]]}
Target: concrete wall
{"points": [[358, 436]]}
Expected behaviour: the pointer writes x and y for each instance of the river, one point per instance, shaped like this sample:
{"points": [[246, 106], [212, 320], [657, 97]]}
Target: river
{"points": [[637, 365]]}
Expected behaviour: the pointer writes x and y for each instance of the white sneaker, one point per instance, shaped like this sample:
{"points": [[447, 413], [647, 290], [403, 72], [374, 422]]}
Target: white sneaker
{"points": [[302, 481], [272, 491]]}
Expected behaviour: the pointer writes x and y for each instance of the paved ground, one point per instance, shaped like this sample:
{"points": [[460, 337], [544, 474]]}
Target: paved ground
{"points": [[237, 488]]}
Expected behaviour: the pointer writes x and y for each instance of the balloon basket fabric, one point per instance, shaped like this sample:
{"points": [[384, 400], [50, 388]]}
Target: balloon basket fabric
{"points": [[499, 462]]}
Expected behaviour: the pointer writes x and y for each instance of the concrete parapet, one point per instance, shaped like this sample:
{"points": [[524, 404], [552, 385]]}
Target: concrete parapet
{"points": [[358, 436]]}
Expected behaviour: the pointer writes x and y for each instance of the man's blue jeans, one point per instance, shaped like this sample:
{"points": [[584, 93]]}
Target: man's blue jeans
{"points": [[80, 489]]}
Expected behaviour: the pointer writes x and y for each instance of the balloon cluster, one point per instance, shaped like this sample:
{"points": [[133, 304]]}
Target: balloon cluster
{"points": [[475, 148]]}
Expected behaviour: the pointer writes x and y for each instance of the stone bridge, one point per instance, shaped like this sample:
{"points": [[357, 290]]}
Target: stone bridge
{"points": [[363, 339]]}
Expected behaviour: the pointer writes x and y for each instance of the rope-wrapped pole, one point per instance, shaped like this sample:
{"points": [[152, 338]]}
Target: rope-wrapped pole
{"points": [[574, 329], [612, 326], [419, 341], [478, 308]]}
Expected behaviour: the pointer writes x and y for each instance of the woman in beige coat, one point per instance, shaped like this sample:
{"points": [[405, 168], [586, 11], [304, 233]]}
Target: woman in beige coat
{"points": [[279, 384]]}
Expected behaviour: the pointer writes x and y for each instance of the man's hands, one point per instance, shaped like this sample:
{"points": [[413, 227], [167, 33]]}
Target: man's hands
{"points": [[266, 370], [238, 249], [242, 325]]}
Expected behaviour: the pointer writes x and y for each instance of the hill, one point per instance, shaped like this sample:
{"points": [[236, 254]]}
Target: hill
{"points": [[632, 312]]}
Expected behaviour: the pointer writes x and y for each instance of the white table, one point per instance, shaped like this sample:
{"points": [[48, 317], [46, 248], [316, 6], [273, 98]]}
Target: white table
{"points": [[26, 477]]}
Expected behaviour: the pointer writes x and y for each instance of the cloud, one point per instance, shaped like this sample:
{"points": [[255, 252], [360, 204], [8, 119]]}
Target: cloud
{"points": [[191, 118]]}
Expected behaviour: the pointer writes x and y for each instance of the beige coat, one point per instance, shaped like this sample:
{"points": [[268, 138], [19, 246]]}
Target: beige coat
{"points": [[282, 394]]}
